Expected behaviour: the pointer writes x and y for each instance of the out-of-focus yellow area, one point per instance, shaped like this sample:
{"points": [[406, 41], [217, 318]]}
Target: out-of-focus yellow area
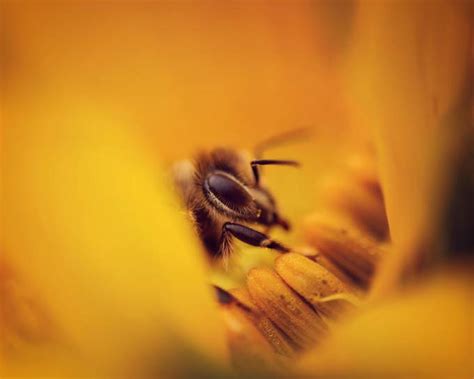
{"points": [[410, 73], [183, 75], [98, 98], [410, 69], [91, 228], [424, 331]]}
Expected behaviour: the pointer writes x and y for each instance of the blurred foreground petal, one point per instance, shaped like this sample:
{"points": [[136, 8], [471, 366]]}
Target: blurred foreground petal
{"points": [[409, 74], [90, 228], [424, 331], [410, 81]]}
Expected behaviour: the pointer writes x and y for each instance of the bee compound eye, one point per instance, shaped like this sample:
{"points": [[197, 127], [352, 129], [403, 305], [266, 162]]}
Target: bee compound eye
{"points": [[227, 190]]}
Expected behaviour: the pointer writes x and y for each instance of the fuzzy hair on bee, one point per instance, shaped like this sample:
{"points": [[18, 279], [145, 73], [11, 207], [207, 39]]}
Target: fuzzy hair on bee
{"points": [[223, 194]]}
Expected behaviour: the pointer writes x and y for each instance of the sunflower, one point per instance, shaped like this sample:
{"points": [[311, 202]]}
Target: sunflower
{"points": [[101, 274]]}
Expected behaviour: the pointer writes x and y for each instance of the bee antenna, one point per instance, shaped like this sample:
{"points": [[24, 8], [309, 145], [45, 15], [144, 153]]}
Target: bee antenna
{"points": [[280, 139]]}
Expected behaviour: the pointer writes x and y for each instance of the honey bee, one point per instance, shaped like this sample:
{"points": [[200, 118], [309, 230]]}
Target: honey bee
{"points": [[226, 200]]}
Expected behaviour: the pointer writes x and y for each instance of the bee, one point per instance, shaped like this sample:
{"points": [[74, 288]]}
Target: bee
{"points": [[226, 200]]}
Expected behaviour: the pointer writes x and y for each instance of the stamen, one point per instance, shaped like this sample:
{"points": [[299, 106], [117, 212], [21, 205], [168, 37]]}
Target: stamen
{"points": [[355, 254], [285, 308], [250, 350], [294, 304], [263, 323], [316, 284]]}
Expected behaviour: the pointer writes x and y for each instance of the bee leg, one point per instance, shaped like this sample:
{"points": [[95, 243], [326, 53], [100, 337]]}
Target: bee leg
{"points": [[264, 162], [223, 297], [252, 237], [282, 222]]}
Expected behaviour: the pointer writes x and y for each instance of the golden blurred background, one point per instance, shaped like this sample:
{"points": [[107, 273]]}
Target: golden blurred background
{"points": [[181, 77], [99, 97], [184, 75], [96, 97]]}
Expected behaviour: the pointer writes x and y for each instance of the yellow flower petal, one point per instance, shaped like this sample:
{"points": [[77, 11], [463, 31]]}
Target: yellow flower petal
{"points": [[408, 73], [90, 226], [424, 332]]}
